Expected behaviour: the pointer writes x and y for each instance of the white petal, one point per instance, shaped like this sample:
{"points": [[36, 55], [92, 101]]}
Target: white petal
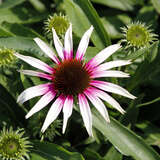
{"points": [[68, 44], [37, 74], [53, 112], [67, 111], [108, 99], [103, 55], [36, 63], [86, 113], [98, 104], [33, 92], [46, 49], [113, 88], [112, 64], [58, 44], [110, 73], [84, 44], [46, 99]]}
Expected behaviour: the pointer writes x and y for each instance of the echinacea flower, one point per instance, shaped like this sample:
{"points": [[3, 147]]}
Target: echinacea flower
{"points": [[72, 78], [13, 144]]}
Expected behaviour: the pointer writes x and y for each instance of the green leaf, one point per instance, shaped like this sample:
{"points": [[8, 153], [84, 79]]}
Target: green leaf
{"points": [[38, 5], [91, 52], [125, 5], [136, 54], [9, 16], [113, 24], [20, 43], [91, 154], [10, 3], [127, 142], [20, 14], [152, 51], [50, 151], [35, 156], [5, 33], [113, 154], [19, 30], [156, 4], [149, 52], [87, 16]]}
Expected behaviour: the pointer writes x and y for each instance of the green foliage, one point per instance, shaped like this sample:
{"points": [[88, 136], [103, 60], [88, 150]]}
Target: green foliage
{"points": [[9, 3], [125, 5], [113, 154], [20, 43], [19, 30], [90, 17], [52, 151], [124, 140], [156, 4]]}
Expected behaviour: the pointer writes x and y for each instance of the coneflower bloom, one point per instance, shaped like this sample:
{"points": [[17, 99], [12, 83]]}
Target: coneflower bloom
{"points": [[71, 78]]}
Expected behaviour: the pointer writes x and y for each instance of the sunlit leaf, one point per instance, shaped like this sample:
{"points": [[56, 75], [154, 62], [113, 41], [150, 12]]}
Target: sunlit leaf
{"points": [[87, 16], [21, 15], [10, 3], [51, 151], [38, 5], [127, 142], [20, 43], [113, 154], [125, 5], [156, 4]]}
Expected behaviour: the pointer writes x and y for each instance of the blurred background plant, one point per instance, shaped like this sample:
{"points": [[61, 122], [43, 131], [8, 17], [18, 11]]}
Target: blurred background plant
{"points": [[135, 135]]}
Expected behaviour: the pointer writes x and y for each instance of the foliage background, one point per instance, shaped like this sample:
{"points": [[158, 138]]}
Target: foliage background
{"points": [[135, 135]]}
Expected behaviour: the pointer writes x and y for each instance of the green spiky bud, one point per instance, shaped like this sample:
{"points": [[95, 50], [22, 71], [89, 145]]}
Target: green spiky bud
{"points": [[6, 57], [52, 131], [13, 144], [36, 122], [138, 35], [59, 22]]}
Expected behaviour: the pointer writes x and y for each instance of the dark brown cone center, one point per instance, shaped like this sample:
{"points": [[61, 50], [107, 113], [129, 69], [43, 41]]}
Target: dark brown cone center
{"points": [[70, 77]]}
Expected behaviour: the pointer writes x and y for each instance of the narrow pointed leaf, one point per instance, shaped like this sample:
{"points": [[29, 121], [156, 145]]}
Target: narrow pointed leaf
{"points": [[127, 142], [51, 151]]}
